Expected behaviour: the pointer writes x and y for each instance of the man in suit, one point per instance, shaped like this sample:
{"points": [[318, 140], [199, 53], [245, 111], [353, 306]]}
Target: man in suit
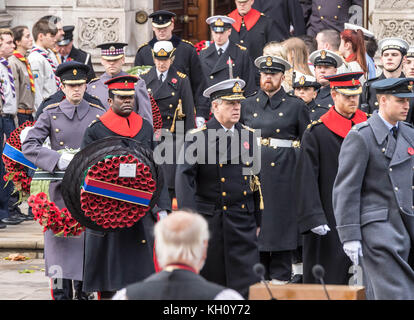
{"points": [[373, 194], [68, 52]]}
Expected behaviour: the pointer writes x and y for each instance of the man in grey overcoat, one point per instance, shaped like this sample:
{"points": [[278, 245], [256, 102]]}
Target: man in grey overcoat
{"points": [[373, 194]]}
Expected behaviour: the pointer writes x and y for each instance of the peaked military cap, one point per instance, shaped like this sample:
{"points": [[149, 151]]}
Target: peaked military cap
{"points": [[394, 43], [271, 64], [304, 80], [410, 52], [366, 32], [325, 57], [230, 89], [68, 37], [162, 18], [122, 85], [220, 23], [72, 72], [112, 51], [399, 87], [163, 50], [346, 83]]}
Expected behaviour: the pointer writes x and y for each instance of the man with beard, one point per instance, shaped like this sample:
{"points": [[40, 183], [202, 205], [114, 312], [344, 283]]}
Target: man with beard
{"points": [[111, 257], [282, 119], [316, 172], [326, 63]]}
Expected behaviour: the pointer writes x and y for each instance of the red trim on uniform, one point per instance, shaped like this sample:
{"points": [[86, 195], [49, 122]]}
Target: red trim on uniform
{"points": [[124, 126], [99, 295], [51, 289], [182, 266], [339, 124], [350, 83], [250, 19], [121, 85]]}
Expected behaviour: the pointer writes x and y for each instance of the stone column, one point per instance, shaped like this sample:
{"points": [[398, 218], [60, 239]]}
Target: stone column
{"points": [[5, 18]]}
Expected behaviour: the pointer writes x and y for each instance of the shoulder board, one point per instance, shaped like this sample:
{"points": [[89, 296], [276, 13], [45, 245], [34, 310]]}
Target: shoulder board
{"points": [[145, 72], [251, 94], [204, 127], [314, 123], [96, 106], [186, 41], [247, 128], [94, 79], [50, 106], [359, 126], [142, 45], [92, 123], [204, 48], [241, 47], [181, 75]]}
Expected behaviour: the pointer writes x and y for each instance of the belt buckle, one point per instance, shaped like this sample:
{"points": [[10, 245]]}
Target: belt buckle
{"points": [[296, 144], [265, 141]]}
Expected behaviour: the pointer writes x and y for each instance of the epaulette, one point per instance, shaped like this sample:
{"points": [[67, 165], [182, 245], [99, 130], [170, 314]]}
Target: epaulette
{"points": [[359, 126], [186, 41], [145, 72], [248, 128], [93, 80], [314, 123], [92, 123], [181, 75], [204, 127], [241, 47], [96, 106], [204, 48], [51, 106], [250, 94], [142, 45]]}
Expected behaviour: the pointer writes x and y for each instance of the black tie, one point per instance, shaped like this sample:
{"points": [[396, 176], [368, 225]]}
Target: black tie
{"points": [[394, 132], [220, 52], [161, 76]]}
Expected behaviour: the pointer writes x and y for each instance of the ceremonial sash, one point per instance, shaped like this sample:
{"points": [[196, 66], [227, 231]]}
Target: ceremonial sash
{"points": [[16, 155]]}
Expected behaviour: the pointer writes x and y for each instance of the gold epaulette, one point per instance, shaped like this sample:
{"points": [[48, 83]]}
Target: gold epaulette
{"points": [[51, 106], [181, 75], [145, 72], [248, 128], [142, 45], [186, 41], [314, 123], [241, 47], [96, 106], [204, 48], [204, 127], [93, 80]]}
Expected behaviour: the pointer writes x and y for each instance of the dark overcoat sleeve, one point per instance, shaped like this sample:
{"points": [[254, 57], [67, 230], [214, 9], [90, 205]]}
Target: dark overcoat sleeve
{"points": [[296, 17]]}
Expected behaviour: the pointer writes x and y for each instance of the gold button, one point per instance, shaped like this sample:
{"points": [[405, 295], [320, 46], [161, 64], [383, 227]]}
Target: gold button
{"points": [[336, 17], [170, 106], [245, 193], [223, 180], [281, 114], [243, 206], [221, 166], [57, 130], [277, 130], [54, 117], [98, 116], [168, 117], [168, 130], [61, 143], [396, 188], [247, 163], [255, 115], [283, 99], [272, 164], [93, 87], [321, 18], [257, 99], [383, 150], [224, 194], [319, 7], [173, 93], [245, 177], [376, 103], [149, 89], [224, 208], [313, 110], [211, 77], [339, 7], [390, 169], [143, 241], [241, 41]]}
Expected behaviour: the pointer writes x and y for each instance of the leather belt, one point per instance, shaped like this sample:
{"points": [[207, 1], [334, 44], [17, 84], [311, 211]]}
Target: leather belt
{"points": [[10, 116], [24, 111], [275, 143]]}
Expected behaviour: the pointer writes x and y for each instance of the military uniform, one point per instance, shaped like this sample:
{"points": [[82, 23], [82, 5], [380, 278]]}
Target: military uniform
{"points": [[322, 14]]}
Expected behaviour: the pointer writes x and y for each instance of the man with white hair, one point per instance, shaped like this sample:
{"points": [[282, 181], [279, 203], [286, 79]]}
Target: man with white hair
{"points": [[181, 248]]}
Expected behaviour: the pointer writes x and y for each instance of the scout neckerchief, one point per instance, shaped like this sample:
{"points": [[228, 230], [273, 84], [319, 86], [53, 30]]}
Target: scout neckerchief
{"points": [[46, 56], [4, 62], [22, 58]]}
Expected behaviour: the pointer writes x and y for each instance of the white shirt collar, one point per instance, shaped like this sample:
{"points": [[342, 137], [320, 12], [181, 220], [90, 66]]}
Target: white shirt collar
{"points": [[224, 46], [225, 129], [164, 73], [389, 125]]}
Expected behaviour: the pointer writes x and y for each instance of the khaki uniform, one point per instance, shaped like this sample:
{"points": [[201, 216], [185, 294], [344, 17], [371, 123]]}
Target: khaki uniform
{"points": [[25, 97]]}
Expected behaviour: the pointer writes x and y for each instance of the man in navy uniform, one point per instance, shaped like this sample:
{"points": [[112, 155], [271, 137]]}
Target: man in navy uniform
{"points": [[113, 58], [315, 175], [65, 124], [68, 52], [282, 119], [326, 63], [186, 61], [373, 194], [223, 188], [215, 57]]}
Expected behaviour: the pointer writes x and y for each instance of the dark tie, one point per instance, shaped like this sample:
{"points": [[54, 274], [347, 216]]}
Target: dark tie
{"points": [[220, 52], [394, 132], [161, 76]]}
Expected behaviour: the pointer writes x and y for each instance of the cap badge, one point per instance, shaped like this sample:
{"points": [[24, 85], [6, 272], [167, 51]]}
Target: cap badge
{"points": [[323, 54], [353, 81], [410, 86], [237, 88], [219, 23], [75, 72], [269, 61], [162, 53], [302, 80], [126, 83], [111, 48]]}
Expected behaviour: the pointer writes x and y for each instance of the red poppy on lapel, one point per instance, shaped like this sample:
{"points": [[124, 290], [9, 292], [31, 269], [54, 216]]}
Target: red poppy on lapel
{"points": [[411, 151]]}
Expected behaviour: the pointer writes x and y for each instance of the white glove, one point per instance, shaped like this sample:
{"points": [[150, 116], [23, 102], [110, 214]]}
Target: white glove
{"points": [[23, 134], [353, 250], [321, 230], [200, 122], [64, 160], [162, 214]]}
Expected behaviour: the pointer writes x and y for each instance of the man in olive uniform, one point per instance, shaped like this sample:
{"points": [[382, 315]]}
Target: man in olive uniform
{"points": [[172, 92], [65, 124], [282, 119], [322, 14], [306, 87], [186, 59], [68, 52], [216, 184], [252, 28], [326, 63], [113, 58], [316, 172], [215, 57]]}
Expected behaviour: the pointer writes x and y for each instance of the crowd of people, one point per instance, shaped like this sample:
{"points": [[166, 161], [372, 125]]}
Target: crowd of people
{"points": [[317, 168]]}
